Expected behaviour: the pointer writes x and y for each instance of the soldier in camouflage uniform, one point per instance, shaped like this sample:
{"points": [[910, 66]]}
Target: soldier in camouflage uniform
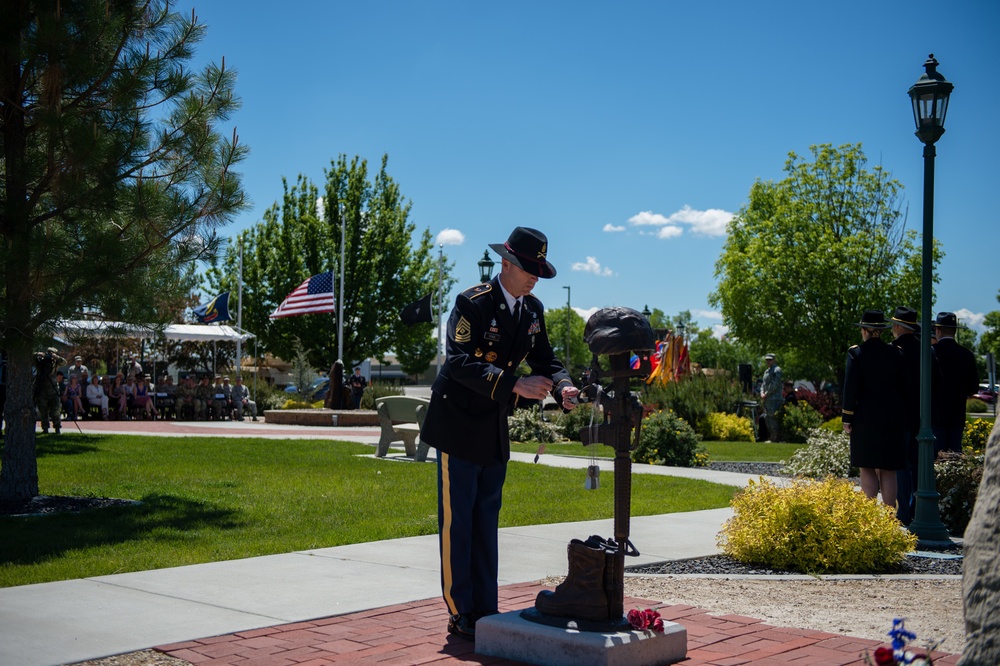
{"points": [[45, 392], [203, 398], [186, 398], [771, 393]]}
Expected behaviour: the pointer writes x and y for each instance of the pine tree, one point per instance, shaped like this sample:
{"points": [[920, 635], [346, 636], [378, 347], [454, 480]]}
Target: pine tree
{"points": [[115, 177]]}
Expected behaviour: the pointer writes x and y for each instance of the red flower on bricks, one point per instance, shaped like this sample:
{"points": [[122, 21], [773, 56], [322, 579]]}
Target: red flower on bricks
{"points": [[645, 620]]}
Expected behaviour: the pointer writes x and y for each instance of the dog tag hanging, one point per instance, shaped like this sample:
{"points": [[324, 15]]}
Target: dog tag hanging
{"points": [[593, 477]]}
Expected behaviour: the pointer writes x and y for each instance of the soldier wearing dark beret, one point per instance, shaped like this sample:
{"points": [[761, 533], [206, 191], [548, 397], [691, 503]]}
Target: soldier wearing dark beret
{"points": [[491, 330]]}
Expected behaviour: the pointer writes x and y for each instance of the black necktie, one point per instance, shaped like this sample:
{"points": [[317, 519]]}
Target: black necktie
{"points": [[517, 311]]}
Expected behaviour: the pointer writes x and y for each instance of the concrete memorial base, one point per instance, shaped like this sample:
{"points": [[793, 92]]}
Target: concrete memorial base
{"points": [[510, 636]]}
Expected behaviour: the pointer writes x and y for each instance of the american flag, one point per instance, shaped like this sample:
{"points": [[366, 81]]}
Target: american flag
{"points": [[313, 295]]}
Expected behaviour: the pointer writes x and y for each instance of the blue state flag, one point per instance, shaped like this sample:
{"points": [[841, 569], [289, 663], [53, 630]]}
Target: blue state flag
{"points": [[215, 310]]}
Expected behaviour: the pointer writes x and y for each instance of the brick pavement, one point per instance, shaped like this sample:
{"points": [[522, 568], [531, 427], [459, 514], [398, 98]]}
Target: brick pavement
{"points": [[414, 633]]}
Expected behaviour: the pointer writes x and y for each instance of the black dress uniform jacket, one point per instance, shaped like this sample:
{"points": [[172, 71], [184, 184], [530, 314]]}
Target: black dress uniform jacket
{"points": [[874, 385], [473, 393], [959, 380]]}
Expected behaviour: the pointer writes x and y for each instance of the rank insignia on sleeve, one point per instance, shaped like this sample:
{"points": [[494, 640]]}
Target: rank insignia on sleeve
{"points": [[491, 356], [463, 330]]}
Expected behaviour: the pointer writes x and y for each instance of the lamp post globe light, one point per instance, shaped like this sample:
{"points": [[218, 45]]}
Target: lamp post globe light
{"points": [[929, 96], [486, 267]]}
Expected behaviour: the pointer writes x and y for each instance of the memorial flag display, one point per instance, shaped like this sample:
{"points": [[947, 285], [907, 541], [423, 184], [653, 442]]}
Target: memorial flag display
{"points": [[215, 310], [313, 295], [417, 311]]}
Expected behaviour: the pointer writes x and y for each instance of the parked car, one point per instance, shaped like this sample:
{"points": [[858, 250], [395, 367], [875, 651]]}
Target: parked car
{"points": [[318, 389], [986, 395]]}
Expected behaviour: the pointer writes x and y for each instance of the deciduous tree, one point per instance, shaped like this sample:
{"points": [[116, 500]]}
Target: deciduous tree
{"points": [[805, 256], [385, 267], [115, 175]]}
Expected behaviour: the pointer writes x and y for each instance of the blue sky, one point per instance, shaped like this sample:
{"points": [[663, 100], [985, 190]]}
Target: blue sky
{"points": [[628, 132]]}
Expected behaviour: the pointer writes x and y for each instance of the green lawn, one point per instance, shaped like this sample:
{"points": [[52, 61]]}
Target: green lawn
{"points": [[206, 499], [717, 451]]}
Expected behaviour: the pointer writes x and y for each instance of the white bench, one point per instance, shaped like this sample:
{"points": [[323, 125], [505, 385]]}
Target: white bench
{"points": [[400, 417]]}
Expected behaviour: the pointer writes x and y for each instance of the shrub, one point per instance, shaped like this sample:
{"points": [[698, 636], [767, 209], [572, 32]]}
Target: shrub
{"points": [[977, 433], [294, 403], [797, 420], [528, 425], [695, 397], [825, 454], [726, 427], [958, 476], [827, 403], [834, 425], [267, 397], [376, 390], [666, 439], [975, 406], [570, 423], [814, 527]]}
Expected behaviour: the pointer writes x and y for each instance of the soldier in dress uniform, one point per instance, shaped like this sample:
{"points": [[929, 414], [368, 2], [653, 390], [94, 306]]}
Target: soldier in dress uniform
{"points": [[905, 332], [960, 379], [874, 383], [491, 330]]}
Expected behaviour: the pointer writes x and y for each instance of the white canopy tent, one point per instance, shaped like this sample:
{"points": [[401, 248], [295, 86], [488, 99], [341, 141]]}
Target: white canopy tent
{"points": [[72, 328], [182, 332]]}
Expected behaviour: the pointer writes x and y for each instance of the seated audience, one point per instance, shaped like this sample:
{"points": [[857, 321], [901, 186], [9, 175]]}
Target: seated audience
{"points": [[96, 396]]}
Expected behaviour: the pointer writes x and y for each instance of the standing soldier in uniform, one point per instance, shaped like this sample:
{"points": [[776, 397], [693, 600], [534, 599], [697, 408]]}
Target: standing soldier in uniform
{"points": [[491, 330], [772, 395], [959, 380], [47, 397], [874, 384]]}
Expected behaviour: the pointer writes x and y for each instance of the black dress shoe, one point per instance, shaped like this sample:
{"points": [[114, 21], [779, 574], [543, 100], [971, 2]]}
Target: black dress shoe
{"points": [[462, 625]]}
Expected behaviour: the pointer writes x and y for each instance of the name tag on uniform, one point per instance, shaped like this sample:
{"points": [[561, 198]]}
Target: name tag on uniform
{"points": [[495, 337]]}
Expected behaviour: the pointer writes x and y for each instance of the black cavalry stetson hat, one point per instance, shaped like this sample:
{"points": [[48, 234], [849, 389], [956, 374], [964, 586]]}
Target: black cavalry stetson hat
{"points": [[906, 317], [946, 320], [526, 249], [873, 319]]}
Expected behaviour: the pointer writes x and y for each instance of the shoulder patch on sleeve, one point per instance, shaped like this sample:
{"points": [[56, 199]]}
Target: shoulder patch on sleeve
{"points": [[463, 330], [477, 291]]}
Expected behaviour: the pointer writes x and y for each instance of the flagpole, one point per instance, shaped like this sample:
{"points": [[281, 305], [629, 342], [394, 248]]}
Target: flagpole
{"points": [[440, 260], [340, 305], [239, 317]]}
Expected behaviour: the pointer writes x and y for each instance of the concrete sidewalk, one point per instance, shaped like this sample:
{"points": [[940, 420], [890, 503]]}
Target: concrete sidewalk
{"points": [[71, 621]]}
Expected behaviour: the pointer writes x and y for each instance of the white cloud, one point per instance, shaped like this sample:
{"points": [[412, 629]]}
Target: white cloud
{"points": [[611, 228], [707, 314], [450, 237], [719, 331], [586, 314], [973, 320], [592, 266], [648, 217], [711, 222]]}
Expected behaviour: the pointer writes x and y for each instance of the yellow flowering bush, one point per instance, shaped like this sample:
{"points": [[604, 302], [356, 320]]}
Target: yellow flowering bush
{"points": [[814, 527], [718, 426], [976, 433]]}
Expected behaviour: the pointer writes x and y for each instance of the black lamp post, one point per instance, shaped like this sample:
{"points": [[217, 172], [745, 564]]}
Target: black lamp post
{"points": [[646, 313], [929, 96], [486, 267]]}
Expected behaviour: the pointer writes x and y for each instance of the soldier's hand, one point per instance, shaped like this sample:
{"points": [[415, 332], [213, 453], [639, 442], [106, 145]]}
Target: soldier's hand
{"points": [[534, 387], [570, 397]]}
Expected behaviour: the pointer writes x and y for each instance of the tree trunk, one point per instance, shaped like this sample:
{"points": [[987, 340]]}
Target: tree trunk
{"points": [[980, 575], [19, 465]]}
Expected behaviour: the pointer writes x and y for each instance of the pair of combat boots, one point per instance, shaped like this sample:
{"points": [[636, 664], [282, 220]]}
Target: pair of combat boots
{"points": [[592, 590]]}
